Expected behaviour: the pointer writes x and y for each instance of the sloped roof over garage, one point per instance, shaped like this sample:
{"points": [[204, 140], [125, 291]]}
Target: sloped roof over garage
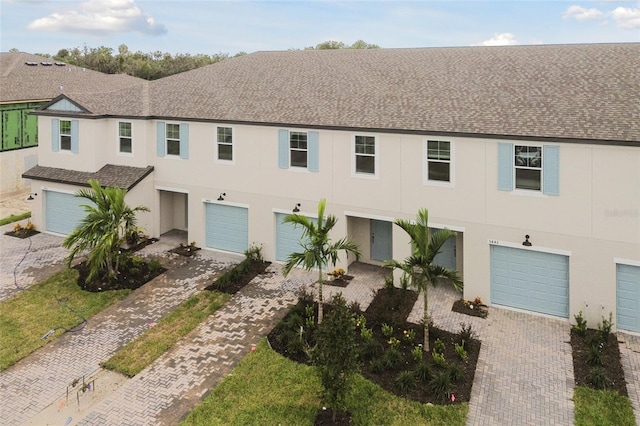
{"points": [[110, 175]]}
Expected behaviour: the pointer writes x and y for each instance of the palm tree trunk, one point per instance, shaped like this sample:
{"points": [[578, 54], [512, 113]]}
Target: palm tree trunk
{"points": [[320, 301], [425, 319]]}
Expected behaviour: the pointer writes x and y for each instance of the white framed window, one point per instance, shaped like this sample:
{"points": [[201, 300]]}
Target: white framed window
{"points": [[298, 149], [173, 139], [365, 148], [438, 162], [125, 138], [528, 167], [65, 135], [224, 144]]}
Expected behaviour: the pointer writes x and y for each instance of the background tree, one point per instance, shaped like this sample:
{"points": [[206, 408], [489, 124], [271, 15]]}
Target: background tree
{"points": [[419, 266], [318, 250], [102, 232], [335, 355]]}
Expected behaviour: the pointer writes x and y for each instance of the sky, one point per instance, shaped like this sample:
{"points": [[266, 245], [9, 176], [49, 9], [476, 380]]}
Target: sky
{"points": [[211, 26]]}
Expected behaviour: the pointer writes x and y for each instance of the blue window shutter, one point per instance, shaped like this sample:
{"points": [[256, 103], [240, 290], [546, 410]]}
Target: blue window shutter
{"points": [[550, 170], [75, 136], [505, 166], [55, 135], [314, 151], [184, 140], [161, 141], [283, 149]]}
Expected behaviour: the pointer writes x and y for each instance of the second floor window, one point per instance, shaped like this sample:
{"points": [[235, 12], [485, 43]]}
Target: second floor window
{"points": [[225, 144], [173, 139], [298, 149], [528, 167], [365, 152], [65, 135], [439, 161], [124, 135]]}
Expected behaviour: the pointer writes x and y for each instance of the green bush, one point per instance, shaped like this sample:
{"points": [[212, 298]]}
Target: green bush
{"points": [[387, 330], [392, 358], [423, 372], [377, 365], [466, 332], [438, 346], [581, 324], [456, 372], [598, 378], [441, 386], [605, 327], [439, 359], [595, 357], [461, 351], [406, 381]]}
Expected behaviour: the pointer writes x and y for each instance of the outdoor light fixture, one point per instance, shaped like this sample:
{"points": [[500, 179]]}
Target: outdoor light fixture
{"points": [[296, 208], [221, 196], [30, 198], [526, 241]]}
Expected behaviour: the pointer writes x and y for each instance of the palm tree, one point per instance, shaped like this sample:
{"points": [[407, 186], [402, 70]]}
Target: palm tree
{"points": [[318, 250], [419, 266], [109, 221]]}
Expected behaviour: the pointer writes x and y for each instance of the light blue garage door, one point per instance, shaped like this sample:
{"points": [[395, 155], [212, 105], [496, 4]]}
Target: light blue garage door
{"points": [[628, 297], [63, 212], [227, 227], [288, 238], [530, 280]]}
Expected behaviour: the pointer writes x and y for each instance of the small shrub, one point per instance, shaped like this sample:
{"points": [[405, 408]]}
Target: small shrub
{"points": [[17, 227], [440, 384], [423, 372], [154, 265], [598, 378], [388, 284], [366, 334], [394, 343], [466, 332], [387, 330], [370, 349], [595, 340], [404, 282], [253, 253], [417, 354], [29, 226], [409, 335], [392, 358], [477, 301], [406, 381], [605, 327], [439, 359], [456, 372], [377, 365], [438, 346], [595, 357], [580, 326], [461, 351]]}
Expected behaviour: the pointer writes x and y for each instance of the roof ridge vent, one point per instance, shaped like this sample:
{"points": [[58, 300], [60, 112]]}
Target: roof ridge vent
{"points": [[60, 64], [31, 64], [46, 64]]}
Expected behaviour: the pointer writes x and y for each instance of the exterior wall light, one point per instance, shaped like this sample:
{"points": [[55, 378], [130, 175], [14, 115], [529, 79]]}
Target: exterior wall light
{"points": [[526, 241]]}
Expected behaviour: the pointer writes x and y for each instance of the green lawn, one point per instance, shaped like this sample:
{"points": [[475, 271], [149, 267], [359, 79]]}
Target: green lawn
{"points": [[601, 408], [139, 353], [266, 388], [14, 218], [29, 315]]}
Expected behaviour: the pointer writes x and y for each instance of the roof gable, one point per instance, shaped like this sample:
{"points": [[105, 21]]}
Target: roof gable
{"points": [[63, 104]]}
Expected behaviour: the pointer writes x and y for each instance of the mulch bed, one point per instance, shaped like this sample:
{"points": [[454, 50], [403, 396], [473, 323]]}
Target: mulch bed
{"points": [[340, 282], [464, 307], [23, 233], [130, 278], [610, 363], [183, 250], [392, 307], [232, 282]]}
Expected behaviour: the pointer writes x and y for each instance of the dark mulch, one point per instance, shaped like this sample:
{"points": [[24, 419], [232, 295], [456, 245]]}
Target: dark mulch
{"points": [[23, 233], [325, 418], [139, 245], [183, 250], [340, 282], [133, 275], [470, 309], [392, 308], [610, 361], [235, 279]]}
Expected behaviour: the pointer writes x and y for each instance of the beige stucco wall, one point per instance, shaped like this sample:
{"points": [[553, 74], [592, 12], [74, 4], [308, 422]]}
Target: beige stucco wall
{"points": [[595, 219], [12, 165]]}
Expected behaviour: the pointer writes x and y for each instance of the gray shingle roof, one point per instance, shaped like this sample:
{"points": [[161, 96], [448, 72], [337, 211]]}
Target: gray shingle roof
{"points": [[584, 92], [21, 82], [124, 177]]}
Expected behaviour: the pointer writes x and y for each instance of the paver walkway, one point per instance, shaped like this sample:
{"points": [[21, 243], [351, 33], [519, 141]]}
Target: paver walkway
{"points": [[32, 384], [630, 356]]}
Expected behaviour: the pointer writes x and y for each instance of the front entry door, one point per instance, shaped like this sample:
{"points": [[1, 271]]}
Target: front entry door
{"points": [[381, 242]]}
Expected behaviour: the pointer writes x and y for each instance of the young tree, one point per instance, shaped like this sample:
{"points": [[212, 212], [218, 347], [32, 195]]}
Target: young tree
{"points": [[317, 249], [104, 229], [419, 266], [335, 355]]}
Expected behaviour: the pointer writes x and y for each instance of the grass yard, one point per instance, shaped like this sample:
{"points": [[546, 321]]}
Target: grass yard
{"points": [[14, 218], [139, 353], [267, 388], [601, 408], [56, 303]]}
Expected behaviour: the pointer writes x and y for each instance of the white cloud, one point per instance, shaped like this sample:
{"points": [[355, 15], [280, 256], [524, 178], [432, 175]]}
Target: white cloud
{"points": [[626, 17], [502, 39], [101, 17], [582, 14]]}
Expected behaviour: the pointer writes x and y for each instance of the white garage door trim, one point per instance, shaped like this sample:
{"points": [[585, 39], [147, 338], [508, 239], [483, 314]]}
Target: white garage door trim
{"points": [[531, 280], [63, 211], [227, 227], [628, 296]]}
